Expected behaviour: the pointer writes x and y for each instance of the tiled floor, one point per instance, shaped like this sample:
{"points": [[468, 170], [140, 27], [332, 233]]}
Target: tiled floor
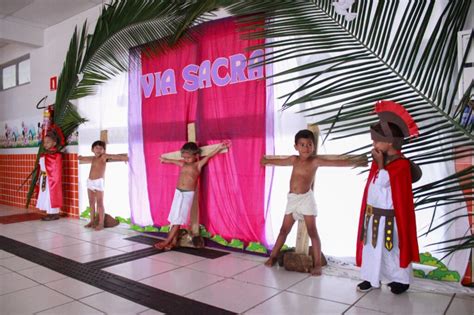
{"points": [[236, 282]]}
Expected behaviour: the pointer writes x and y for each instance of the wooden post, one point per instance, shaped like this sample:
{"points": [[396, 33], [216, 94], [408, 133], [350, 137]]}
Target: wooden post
{"points": [[302, 238], [194, 217], [104, 136]]}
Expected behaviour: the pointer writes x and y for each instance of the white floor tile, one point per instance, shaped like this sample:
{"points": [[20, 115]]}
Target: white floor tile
{"points": [[181, 281], [140, 269], [257, 258], [291, 303], [73, 308], [331, 288], [89, 235], [35, 236], [4, 270], [226, 266], [97, 256], [354, 310], [16, 263], [407, 303], [73, 288], [461, 307], [177, 258], [113, 242], [275, 277], [55, 242], [112, 304], [134, 247], [78, 250], [150, 312], [233, 295], [41, 274], [31, 300], [11, 282], [10, 230], [4, 254]]}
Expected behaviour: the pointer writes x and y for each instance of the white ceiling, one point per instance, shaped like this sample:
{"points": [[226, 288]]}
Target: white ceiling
{"points": [[22, 20]]}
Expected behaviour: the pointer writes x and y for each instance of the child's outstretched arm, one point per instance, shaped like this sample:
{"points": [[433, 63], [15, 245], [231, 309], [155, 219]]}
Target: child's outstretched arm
{"points": [[117, 157], [275, 161], [341, 161], [85, 159], [171, 161], [224, 144]]}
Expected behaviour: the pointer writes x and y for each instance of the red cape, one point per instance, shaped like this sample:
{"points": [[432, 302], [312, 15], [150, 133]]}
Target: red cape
{"points": [[54, 166], [402, 196]]}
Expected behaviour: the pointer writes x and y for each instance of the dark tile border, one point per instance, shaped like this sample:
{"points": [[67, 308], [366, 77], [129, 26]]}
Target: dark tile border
{"points": [[89, 273]]}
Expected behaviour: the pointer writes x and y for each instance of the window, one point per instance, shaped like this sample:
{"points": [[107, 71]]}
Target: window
{"points": [[15, 73]]}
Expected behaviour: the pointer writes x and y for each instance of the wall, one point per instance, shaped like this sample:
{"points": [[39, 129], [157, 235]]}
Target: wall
{"points": [[19, 104]]}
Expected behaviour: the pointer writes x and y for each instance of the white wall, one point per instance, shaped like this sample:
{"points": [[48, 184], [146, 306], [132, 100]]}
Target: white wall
{"points": [[46, 61]]}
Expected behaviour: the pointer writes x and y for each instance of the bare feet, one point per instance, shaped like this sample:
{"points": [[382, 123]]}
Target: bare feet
{"points": [[160, 245], [88, 225], [316, 271], [99, 227], [271, 261]]}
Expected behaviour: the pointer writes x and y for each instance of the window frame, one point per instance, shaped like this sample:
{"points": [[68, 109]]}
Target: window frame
{"points": [[16, 62]]}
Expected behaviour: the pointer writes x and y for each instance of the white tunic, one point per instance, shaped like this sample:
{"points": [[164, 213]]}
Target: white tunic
{"points": [[378, 263], [44, 201]]}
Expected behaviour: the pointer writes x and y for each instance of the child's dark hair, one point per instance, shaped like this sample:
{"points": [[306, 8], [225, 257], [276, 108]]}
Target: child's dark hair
{"points": [[305, 134], [98, 143], [190, 147]]}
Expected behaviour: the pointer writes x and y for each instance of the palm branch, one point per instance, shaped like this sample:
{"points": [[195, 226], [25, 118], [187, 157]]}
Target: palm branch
{"points": [[92, 59], [375, 57]]}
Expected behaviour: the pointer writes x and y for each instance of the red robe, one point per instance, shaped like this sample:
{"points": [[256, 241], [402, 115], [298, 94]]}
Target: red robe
{"points": [[54, 166], [402, 197]]}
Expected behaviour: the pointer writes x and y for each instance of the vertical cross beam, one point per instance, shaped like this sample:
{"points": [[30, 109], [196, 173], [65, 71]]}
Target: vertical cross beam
{"points": [[302, 238], [194, 217]]}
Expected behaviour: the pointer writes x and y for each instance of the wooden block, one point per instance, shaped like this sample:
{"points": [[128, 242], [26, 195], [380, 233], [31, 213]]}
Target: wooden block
{"points": [[293, 261], [297, 262], [205, 150], [186, 239]]}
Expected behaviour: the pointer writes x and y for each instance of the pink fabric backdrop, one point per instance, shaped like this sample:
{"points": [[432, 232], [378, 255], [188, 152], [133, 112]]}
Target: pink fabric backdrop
{"points": [[232, 184]]}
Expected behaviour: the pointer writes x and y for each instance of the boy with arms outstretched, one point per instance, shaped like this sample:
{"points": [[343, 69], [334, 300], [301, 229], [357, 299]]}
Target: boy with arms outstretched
{"points": [[95, 182], [191, 166], [301, 203]]}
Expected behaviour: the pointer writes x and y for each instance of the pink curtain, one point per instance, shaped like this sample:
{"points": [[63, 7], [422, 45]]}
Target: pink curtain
{"points": [[228, 104]]}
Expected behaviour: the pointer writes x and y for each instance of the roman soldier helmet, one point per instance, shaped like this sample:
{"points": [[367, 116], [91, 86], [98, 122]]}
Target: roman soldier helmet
{"points": [[392, 113]]}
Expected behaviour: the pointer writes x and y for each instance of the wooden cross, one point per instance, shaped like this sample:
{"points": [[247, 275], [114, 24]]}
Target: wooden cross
{"points": [[176, 155]]}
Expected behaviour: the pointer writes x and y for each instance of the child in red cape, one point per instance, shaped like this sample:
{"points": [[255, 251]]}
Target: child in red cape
{"points": [[387, 241]]}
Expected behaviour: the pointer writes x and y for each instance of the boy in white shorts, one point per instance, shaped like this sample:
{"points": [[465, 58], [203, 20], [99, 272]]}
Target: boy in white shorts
{"points": [[95, 183], [301, 202], [191, 167]]}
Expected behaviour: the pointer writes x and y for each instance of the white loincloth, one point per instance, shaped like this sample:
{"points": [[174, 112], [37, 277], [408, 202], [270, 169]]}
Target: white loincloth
{"points": [[96, 184], [182, 203], [300, 205]]}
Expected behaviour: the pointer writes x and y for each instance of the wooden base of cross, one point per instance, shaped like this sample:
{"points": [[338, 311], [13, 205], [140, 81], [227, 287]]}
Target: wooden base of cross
{"points": [[192, 238]]}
